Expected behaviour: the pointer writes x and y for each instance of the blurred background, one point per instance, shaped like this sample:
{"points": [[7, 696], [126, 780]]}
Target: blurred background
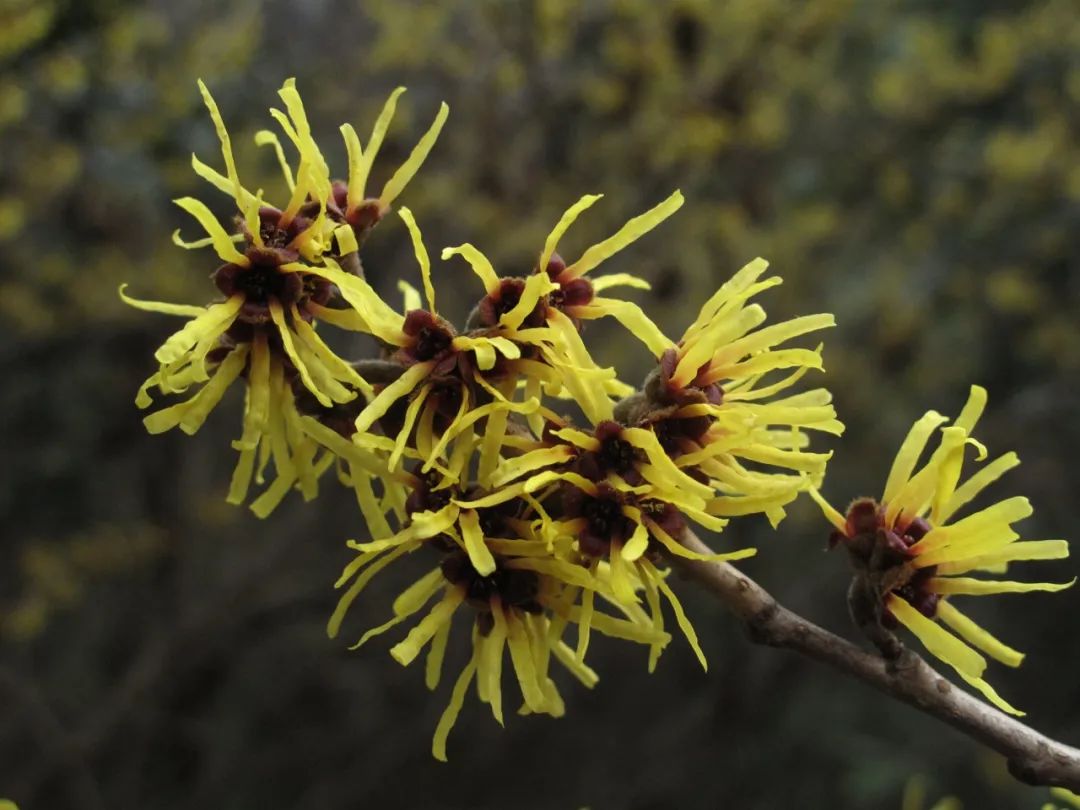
{"points": [[913, 167]]}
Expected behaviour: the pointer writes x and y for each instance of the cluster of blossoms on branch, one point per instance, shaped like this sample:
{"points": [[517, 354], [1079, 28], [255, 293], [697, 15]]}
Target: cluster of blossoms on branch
{"points": [[548, 492]]}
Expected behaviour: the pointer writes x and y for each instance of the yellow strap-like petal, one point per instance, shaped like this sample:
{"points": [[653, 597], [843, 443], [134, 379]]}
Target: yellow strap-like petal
{"points": [[632, 317], [405, 652], [453, 709], [346, 240], [480, 264], [380, 318], [977, 636], [990, 694], [646, 440], [358, 183], [391, 394], [222, 241], [183, 310], [987, 523], [639, 540], [337, 367], [680, 615], [411, 600], [561, 227], [602, 283], [584, 622], [730, 290], [564, 571], [396, 184], [226, 145], [981, 587], [265, 137], [195, 244], [208, 398], [347, 598], [436, 655], [278, 316], [412, 412], [937, 640], [652, 598], [416, 595], [1012, 552], [524, 667], [492, 658], [422, 257], [214, 320], [973, 409], [410, 296], [511, 469], [628, 233], [536, 287], [585, 674], [977, 483], [356, 162], [679, 550], [473, 536]]}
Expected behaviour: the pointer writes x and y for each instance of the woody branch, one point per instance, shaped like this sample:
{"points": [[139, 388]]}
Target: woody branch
{"points": [[1033, 758]]}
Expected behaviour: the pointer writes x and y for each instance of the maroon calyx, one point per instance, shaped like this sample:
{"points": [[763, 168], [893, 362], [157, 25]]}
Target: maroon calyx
{"points": [[664, 391], [884, 553], [430, 338], [503, 299], [263, 280], [677, 434], [516, 589], [605, 522], [572, 292], [915, 592], [424, 496], [615, 455]]}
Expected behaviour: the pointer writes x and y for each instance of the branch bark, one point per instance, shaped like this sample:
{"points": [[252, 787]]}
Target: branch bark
{"points": [[1033, 758]]}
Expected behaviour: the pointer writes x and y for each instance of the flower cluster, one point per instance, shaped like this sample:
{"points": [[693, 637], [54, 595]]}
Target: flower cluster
{"points": [[912, 551], [550, 491], [543, 521]]}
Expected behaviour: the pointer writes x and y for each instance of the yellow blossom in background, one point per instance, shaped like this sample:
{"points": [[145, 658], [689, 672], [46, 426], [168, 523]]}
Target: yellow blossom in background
{"points": [[1071, 799], [915, 798], [920, 551]]}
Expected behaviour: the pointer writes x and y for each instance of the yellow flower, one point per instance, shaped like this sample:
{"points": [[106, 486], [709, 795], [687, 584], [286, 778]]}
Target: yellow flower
{"points": [[920, 551], [350, 203], [519, 585], [719, 414], [442, 373], [276, 288], [546, 309], [623, 499]]}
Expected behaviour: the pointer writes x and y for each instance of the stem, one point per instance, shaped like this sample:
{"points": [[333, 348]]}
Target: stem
{"points": [[1033, 758]]}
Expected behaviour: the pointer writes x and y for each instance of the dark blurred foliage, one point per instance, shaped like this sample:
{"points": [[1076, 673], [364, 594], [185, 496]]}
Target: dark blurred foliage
{"points": [[913, 167]]}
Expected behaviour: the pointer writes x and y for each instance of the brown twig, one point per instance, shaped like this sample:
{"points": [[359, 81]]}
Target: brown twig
{"points": [[1033, 758]]}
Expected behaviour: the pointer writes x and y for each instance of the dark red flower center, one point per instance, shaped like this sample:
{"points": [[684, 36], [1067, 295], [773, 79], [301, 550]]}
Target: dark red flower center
{"points": [[515, 588]]}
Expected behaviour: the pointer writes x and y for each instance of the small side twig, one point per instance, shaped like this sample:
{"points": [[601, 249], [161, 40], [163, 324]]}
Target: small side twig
{"points": [[1033, 758]]}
